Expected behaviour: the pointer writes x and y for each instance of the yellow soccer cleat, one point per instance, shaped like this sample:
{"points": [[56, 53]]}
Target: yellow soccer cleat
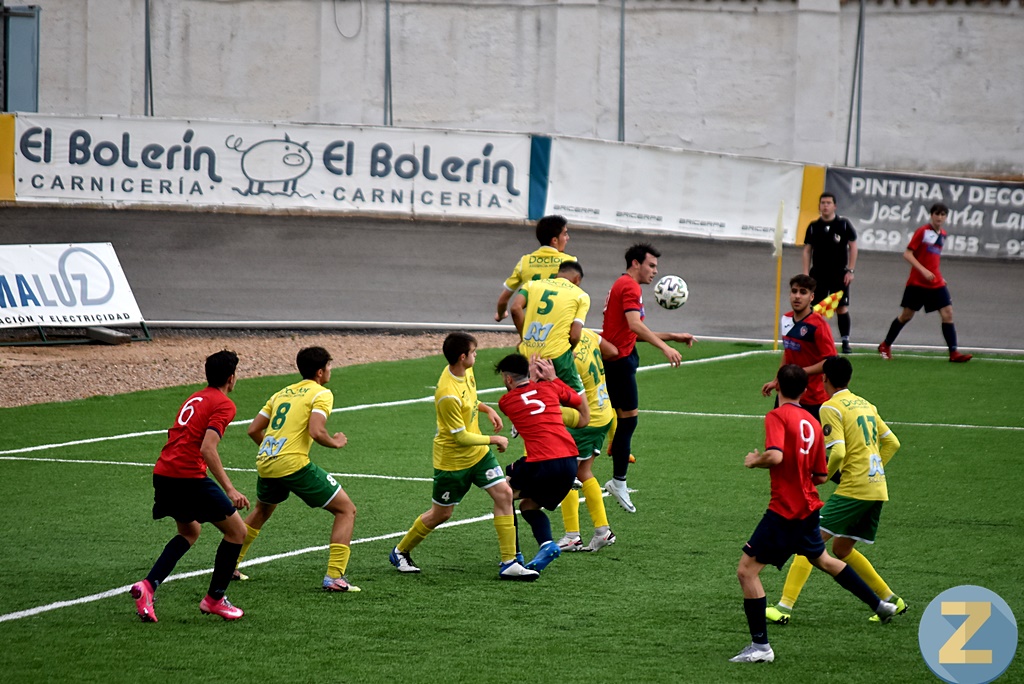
{"points": [[776, 616], [901, 608]]}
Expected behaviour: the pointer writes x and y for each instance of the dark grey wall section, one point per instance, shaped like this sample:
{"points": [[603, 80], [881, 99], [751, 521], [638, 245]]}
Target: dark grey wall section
{"points": [[230, 267]]}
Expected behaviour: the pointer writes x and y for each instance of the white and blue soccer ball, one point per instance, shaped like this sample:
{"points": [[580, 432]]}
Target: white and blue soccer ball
{"points": [[671, 292]]}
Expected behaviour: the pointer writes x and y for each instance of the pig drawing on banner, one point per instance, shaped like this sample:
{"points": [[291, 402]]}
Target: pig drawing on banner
{"points": [[273, 167]]}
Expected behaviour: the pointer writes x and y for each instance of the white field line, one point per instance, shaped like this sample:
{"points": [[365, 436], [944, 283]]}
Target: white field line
{"points": [[4, 455], [343, 409], [29, 612], [700, 414], [365, 476]]}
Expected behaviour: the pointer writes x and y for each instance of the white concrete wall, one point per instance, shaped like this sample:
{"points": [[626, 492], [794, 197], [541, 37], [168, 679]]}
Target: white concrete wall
{"points": [[943, 85]]}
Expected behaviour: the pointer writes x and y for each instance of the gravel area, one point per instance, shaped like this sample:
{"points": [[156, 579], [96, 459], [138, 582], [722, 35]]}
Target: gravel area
{"points": [[30, 375]]}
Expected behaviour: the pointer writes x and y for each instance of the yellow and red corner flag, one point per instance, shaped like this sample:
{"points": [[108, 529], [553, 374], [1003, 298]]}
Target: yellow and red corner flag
{"points": [[827, 306]]}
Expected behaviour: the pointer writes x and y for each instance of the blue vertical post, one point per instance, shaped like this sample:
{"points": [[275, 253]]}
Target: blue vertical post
{"points": [[540, 166]]}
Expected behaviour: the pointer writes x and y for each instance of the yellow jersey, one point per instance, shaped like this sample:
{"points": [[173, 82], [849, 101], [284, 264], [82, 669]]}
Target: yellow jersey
{"points": [[458, 443], [590, 366], [538, 265], [286, 444], [859, 444], [552, 306]]}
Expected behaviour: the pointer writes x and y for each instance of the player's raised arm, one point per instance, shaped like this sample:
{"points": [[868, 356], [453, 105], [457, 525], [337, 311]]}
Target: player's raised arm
{"points": [[888, 444], [502, 312], [258, 428], [908, 254], [517, 310], [491, 414], [684, 338], [608, 350], [208, 450], [640, 329], [318, 431], [765, 459]]}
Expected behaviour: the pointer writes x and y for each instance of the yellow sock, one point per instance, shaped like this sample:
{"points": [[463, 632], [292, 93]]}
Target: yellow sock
{"points": [[570, 417], [611, 432], [250, 536], [862, 566], [595, 502], [571, 512], [799, 571], [417, 533], [338, 562], [506, 529]]}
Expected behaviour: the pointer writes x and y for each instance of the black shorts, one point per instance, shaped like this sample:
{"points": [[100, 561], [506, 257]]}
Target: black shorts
{"points": [[620, 376], [827, 285], [188, 499], [931, 298], [775, 539], [545, 482]]}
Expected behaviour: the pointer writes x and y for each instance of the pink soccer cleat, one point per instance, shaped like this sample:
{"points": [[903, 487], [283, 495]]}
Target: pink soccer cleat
{"points": [[143, 595], [223, 608], [342, 584]]}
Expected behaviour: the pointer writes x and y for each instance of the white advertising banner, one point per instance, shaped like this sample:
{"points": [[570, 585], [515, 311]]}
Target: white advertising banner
{"points": [[264, 165], [64, 286], [656, 188]]}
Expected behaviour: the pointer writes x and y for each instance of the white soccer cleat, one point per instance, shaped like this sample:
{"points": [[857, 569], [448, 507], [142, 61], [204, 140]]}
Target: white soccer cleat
{"points": [[600, 540], [402, 561], [570, 543], [885, 611], [754, 653], [617, 488], [514, 570]]}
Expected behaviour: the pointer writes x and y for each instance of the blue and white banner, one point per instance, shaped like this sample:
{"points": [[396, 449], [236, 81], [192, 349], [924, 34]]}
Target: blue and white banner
{"points": [[656, 188], [64, 286], [127, 160], [986, 218]]}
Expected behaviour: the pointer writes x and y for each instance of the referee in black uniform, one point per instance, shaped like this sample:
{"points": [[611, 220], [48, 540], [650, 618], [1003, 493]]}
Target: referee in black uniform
{"points": [[830, 254]]}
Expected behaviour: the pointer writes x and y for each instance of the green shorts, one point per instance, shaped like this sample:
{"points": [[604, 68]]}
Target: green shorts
{"points": [[451, 485], [314, 485], [565, 369], [589, 440], [853, 518]]}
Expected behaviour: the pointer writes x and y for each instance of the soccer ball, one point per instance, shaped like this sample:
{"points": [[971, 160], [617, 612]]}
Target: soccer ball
{"points": [[671, 292]]}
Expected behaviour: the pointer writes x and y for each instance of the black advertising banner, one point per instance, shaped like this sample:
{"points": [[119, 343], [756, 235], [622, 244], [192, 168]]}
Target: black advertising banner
{"points": [[986, 218]]}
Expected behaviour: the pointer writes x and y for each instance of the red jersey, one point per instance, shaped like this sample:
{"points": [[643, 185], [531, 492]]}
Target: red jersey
{"points": [[926, 244], [207, 409], [534, 410], [793, 431], [625, 295], [806, 343]]}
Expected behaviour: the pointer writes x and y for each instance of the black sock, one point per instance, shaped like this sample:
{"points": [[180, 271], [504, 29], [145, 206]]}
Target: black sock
{"points": [[949, 333], [758, 623], [539, 523], [223, 568], [894, 330], [172, 553], [622, 446], [851, 582], [515, 524], [844, 325]]}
